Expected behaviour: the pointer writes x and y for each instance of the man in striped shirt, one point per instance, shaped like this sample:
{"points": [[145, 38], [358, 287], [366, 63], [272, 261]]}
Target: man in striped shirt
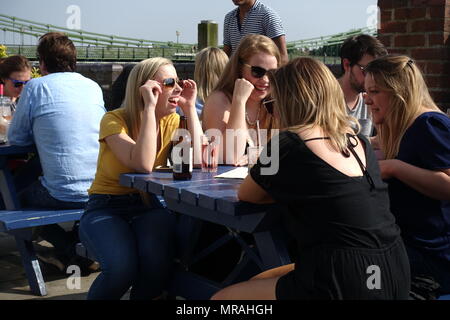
{"points": [[251, 16]]}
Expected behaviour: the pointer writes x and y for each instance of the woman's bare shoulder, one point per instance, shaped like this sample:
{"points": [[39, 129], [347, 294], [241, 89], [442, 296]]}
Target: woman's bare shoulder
{"points": [[217, 100]]}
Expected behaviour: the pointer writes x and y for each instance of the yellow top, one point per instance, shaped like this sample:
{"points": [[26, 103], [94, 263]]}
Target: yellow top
{"points": [[109, 168]]}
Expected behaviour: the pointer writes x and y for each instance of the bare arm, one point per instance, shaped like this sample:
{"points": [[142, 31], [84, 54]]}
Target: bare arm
{"points": [[281, 44], [140, 155], [216, 112], [433, 184], [250, 191], [242, 91]]}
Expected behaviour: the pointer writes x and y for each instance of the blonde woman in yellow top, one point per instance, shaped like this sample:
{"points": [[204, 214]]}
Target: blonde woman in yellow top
{"points": [[131, 238]]}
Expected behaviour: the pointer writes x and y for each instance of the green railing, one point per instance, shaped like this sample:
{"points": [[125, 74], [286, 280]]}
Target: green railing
{"points": [[96, 46], [36, 29], [93, 53]]}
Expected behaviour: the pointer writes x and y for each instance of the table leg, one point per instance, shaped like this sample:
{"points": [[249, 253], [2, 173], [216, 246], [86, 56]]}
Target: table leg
{"points": [[31, 265], [272, 248]]}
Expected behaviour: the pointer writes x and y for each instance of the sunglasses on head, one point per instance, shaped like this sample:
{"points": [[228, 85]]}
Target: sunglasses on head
{"points": [[257, 72], [18, 83], [268, 104], [170, 82]]}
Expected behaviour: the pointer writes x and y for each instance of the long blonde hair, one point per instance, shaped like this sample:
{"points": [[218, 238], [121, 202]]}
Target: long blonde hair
{"points": [[133, 103], [209, 65], [399, 76], [250, 45], [307, 95]]}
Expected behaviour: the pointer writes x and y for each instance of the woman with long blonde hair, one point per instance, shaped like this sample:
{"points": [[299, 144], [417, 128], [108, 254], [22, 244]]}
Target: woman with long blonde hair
{"points": [[236, 103], [209, 65], [335, 204], [132, 238], [414, 136]]}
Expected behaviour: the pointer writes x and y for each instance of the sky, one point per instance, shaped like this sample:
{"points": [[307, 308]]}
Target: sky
{"points": [[160, 20]]}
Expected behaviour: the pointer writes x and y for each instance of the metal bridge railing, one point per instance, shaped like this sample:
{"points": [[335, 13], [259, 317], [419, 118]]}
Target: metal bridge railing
{"points": [[92, 53]]}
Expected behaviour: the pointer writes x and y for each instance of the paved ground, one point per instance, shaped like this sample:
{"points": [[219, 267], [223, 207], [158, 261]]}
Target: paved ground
{"points": [[13, 282]]}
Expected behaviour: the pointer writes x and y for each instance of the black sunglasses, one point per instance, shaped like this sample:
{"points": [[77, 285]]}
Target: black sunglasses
{"points": [[363, 68], [170, 82], [18, 83], [257, 72], [268, 104]]}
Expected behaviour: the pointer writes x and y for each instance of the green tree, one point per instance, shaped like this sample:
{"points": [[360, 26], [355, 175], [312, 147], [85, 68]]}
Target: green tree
{"points": [[3, 53]]}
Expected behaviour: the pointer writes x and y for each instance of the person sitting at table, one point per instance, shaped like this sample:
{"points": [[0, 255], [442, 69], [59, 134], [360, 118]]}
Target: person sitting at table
{"points": [[337, 208], [237, 101], [60, 113], [130, 233], [15, 72], [414, 136], [209, 65]]}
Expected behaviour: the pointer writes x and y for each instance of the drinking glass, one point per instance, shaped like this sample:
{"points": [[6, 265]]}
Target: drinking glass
{"points": [[6, 113], [210, 153]]}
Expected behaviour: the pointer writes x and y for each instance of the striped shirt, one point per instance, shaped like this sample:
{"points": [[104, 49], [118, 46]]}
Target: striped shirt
{"points": [[260, 19]]}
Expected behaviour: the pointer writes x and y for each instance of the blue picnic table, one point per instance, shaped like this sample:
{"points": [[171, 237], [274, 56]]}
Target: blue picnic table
{"points": [[19, 222], [206, 198]]}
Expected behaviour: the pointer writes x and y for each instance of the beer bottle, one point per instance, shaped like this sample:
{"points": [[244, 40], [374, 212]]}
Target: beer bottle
{"points": [[182, 153]]}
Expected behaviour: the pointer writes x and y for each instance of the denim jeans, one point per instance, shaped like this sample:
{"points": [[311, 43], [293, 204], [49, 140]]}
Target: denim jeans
{"points": [[37, 196], [133, 243]]}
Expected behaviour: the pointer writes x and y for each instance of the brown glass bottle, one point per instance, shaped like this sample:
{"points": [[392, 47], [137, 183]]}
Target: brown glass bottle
{"points": [[182, 163]]}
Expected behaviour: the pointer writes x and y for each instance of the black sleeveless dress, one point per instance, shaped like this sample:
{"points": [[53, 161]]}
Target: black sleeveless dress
{"points": [[348, 245]]}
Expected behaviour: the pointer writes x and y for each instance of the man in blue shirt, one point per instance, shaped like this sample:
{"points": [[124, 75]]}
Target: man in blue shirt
{"points": [[60, 113], [253, 17]]}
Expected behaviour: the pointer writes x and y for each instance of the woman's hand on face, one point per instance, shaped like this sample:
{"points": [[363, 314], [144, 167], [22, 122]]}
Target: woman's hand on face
{"points": [[242, 89], [150, 92], [188, 95]]}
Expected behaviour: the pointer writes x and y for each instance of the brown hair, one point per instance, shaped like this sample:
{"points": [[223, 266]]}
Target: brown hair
{"points": [[57, 52], [355, 47], [250, 45], [306, 95], [13, 64], [399, 76]]}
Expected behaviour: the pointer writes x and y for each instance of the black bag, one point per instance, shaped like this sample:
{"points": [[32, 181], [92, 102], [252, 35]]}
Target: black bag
{"points": [[424, 287]]}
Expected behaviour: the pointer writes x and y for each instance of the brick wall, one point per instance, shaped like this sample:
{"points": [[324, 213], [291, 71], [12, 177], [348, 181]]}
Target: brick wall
{"points": [[421, 29]]}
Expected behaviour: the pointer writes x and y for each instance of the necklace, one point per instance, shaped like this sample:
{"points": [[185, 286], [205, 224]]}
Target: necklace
{"points": [[250, 123]]}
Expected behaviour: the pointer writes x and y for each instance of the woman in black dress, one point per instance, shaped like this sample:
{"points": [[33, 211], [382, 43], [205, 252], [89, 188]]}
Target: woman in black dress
{"points": [[337, 207]]}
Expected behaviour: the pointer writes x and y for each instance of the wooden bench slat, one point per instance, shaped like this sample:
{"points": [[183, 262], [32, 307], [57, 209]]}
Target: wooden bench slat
{"points": [[18, 219]]}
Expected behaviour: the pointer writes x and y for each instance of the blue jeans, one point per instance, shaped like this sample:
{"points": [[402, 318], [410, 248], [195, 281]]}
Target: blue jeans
{"points": [[133, 243]]}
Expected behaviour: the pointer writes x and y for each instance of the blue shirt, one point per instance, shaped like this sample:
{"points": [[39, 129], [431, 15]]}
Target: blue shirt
{"points": [[60, 113], [425, 222], [260, 19]]}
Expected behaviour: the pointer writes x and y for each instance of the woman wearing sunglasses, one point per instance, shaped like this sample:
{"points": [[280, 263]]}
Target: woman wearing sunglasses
{"points": [[15, 72], [335, 204], [237, 101], [131, 234]]}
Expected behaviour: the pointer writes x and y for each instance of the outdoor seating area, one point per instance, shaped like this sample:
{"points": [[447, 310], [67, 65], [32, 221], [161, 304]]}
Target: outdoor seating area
{"points": [[259, 169]]}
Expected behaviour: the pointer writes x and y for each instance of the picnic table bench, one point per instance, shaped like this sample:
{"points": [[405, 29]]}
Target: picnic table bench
{"points": [[19, 222]]}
